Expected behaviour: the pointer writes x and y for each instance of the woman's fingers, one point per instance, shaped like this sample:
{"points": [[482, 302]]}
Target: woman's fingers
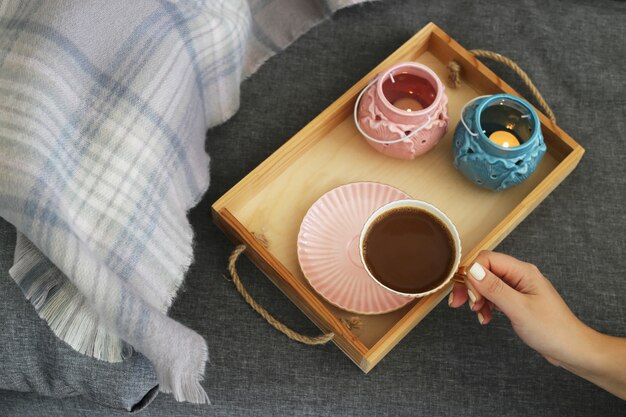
{"points": [[508, 300], [478, 305], [483, 307], [485, 314], [458, 296], [495, 278], [474, 298], [517, 274]]}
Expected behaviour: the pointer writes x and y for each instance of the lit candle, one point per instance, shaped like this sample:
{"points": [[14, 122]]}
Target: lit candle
{"points": [[408, 104], [504, 138]]}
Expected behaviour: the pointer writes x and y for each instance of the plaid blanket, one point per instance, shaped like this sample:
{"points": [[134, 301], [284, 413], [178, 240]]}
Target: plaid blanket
{"points": [[104, 107]]}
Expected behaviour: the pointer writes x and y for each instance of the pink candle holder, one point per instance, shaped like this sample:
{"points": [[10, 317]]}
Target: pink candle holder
{"points": [[403, 113]]}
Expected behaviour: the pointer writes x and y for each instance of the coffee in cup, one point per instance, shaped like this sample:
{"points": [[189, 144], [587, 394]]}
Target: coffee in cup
{"points": [[410, 247]]}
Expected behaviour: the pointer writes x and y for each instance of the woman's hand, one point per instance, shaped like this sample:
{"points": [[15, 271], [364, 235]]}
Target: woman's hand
{"points": [[541, 319], [537, 312]]}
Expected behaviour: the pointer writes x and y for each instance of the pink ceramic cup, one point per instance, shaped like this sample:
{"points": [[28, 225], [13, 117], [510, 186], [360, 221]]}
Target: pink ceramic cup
{"points": [[393, 130]]}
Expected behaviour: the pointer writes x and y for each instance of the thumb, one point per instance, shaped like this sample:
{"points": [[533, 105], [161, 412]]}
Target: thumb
{"points": [[490, 286]]}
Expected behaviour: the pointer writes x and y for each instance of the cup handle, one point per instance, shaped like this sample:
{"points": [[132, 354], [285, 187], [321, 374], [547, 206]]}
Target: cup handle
{"points": [[460, 275]]}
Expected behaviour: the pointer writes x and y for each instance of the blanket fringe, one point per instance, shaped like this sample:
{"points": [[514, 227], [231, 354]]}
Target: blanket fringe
{"points": [[58, 302], [185, 385]]}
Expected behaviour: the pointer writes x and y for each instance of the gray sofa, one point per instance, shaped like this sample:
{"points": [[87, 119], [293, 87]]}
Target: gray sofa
{"points": [[449, 365]]}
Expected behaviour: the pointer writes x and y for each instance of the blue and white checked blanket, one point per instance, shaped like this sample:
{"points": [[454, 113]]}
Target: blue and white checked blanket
{"points": [[104, 107]]}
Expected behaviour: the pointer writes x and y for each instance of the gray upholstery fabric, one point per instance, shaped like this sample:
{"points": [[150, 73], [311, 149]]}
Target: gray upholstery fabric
{"points": [[33, 359], [449, 365]]}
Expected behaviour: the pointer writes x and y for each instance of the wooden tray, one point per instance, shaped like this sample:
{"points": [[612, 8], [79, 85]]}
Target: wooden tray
{"points": [[268, 205]]}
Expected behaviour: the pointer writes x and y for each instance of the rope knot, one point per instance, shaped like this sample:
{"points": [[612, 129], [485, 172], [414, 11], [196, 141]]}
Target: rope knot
{"points": [[454, 73], [352, 323]]}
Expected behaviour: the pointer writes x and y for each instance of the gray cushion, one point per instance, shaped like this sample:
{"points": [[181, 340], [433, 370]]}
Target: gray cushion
{"points": [[34, 360], [449, 365]]}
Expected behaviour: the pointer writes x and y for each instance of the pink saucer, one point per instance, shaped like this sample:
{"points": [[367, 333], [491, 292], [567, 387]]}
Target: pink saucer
{"points": [[328, 248]]}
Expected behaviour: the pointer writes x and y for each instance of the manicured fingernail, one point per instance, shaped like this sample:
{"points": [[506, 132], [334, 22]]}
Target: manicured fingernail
{"points": [[477, 272], [471, 304], [450, 298], [481, 318], [471, 296]]}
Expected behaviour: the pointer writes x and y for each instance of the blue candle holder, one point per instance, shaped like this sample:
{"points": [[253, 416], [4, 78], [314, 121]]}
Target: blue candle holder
{"points": [[511, 155]]}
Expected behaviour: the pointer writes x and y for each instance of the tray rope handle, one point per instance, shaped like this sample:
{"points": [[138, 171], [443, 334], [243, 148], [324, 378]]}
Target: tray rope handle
{"points": [[454, 76], [293, 335]]}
